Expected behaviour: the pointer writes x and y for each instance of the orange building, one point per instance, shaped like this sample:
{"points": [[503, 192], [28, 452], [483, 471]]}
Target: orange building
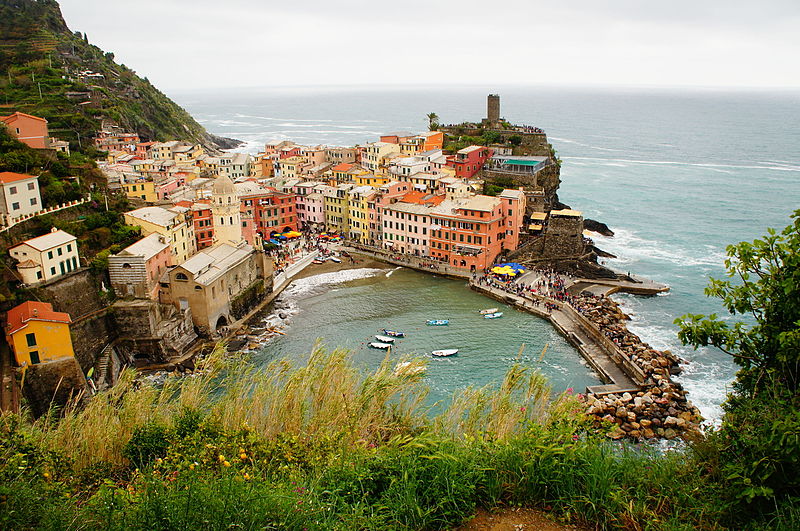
{"points": [[30, 130]]}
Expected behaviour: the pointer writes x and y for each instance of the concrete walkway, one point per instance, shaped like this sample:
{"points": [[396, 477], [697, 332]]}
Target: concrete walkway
{"points": [[577, 333]]}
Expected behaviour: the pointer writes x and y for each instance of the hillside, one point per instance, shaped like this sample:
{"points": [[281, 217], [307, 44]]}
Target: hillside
{"points": [[49, 71]]}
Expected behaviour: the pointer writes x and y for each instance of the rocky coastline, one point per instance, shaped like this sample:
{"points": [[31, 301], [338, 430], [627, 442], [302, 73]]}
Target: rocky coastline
{"points": [[661, 408]]}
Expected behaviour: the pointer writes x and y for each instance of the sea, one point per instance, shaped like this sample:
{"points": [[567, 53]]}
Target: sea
{"points": [[677, 174]]}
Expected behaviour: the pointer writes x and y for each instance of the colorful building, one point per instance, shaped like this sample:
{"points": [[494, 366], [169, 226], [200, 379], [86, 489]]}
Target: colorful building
{"points": [[19, 195], [46, 257], [135, 271], [28, 129], [174, 224], [37, 334], [469, 161]]}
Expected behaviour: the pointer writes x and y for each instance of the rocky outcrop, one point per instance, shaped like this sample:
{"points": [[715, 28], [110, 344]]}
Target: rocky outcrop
{"points": [[598, 227]]}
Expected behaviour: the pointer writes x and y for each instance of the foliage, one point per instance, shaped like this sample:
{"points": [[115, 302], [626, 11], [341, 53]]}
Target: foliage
{"points": [[324, 447], [755, 454], [764, 284]]}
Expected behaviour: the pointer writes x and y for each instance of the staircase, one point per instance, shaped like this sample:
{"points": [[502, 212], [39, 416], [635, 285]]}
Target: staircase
{"points": [[101, 367]]}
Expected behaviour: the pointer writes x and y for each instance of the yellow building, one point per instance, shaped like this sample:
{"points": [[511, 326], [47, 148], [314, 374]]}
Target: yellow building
{"points": [[173, 224], [377, 154], [290, 167], [358, 200], [365, 178], [145, 190], [337, 208], [37, 334]]}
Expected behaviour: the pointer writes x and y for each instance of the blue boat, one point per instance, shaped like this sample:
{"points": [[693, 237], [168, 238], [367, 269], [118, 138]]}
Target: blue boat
{"points": [[393, 333], [494, 315], [437, 322]]}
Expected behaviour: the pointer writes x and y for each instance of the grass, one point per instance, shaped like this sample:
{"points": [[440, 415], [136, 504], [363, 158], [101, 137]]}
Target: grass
{"points": [[324, 446]]}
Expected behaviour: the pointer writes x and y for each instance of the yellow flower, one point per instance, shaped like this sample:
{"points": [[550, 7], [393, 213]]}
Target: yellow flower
{"points": [[191, 467], [242, 456], [221, 458], [246, 476], [46, 475], [226, 463]]}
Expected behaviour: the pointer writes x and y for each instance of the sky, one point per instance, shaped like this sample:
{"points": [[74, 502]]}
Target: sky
{"points": [[212, 44]]}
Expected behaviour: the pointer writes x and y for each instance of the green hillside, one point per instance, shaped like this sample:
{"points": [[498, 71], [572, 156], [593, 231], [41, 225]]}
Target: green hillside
{"points": [[41, 66]]}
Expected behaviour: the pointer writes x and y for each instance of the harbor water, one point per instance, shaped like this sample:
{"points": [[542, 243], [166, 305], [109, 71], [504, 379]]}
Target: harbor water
{"points": [[678, 175]]}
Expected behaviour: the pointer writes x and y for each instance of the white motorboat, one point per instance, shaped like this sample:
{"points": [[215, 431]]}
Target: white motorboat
{"points": [[493, 315], [444, 353], [488, 311], [381, 346], [385, 339]]}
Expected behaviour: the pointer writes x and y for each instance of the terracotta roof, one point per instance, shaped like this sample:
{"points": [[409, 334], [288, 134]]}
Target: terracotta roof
{"points": [[422, 198], [18, 114], [19, 316], [344, 166], [10, 177]]}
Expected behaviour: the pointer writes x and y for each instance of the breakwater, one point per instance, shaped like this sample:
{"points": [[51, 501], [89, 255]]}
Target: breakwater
{"points": [[639, 397]]}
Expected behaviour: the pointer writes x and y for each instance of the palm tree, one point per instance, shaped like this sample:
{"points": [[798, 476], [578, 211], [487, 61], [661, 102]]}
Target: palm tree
{"points": [[433, 121]]}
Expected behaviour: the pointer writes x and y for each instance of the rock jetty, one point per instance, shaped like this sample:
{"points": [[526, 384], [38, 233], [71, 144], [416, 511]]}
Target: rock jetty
{"points": [[660, 409]]}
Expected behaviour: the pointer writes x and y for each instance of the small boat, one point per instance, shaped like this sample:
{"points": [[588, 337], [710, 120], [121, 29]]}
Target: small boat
{"points": [[493, 315], [335, 260], [490, 310], [394, 333], [317, 261], [437, 322], [444, 353], [381, 346], [385, 339]]}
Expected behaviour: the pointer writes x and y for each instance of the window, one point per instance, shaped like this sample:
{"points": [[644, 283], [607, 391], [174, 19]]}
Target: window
{"points": [[15, 206], [49, 255], [52, 270], [60, 251], [33, 201], [31, 339], [181, 276], [69, 247], [12, 190]]}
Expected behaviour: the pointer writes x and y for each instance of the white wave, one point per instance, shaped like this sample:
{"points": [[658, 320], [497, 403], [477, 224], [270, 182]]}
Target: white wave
{"points": [[629, 247], [607, 162], [389, 273], [599, 148], [305, 286]]}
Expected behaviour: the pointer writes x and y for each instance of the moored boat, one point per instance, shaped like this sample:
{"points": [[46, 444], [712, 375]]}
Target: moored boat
{"points": [[493, 315], [394, 333], [437, 322], [381, 346], [335, 260], [385, 339], [488, 311], [444, 353]]}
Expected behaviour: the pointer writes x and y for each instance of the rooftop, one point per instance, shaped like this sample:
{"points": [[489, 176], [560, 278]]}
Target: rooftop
{"points": [[153, 214], [7, 177], [209, 264], [54, 238], [19, 316], [148, 247]]}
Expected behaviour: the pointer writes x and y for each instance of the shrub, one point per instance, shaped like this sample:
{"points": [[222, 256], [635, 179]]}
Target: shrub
{"points": [[147, 443]]}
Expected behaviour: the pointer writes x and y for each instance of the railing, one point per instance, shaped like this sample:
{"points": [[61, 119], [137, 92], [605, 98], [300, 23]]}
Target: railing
{"points": [[9, 220]]}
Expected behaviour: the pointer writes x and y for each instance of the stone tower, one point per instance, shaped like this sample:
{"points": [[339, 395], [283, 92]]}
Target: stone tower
{"points": [[225, 211], [493, 108]]}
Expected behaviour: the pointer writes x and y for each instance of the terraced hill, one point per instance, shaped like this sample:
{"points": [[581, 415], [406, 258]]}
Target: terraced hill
{"points": [[47, 70]]}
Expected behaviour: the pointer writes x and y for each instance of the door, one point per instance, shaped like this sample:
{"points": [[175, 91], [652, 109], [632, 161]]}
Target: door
{"points": [[35, 357]]}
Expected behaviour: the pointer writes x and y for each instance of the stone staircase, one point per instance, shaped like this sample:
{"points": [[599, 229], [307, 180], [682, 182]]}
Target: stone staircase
{"points": [[101, 367]]}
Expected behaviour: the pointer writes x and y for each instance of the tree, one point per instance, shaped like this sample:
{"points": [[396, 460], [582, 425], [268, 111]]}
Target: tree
{"points": [[763, 283], [433, 121]]}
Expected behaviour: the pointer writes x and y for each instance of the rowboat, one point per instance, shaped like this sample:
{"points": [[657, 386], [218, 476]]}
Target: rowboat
{"points": [[488, 311], [394, 333], [385, 339], [335, 260], [444, 353], [381, 346], [437, 322], [493, 315]]}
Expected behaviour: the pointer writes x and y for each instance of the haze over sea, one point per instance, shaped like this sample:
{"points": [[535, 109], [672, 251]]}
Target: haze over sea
{"points": [[677, 175]]}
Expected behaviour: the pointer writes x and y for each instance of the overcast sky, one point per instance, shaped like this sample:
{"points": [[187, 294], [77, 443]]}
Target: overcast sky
{"points": [[244, 43]]}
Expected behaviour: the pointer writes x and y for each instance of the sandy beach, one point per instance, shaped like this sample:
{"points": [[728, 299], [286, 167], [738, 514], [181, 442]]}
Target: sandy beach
{"points": [[359, 261]]}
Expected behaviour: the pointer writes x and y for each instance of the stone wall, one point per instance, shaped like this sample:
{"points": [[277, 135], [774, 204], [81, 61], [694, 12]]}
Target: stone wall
{"points": [[90, 336], [150, 332], [55, 382], [77, 293]]}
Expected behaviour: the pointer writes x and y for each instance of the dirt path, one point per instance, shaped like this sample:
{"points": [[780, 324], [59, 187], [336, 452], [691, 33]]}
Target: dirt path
{"points": [[515, 520]]}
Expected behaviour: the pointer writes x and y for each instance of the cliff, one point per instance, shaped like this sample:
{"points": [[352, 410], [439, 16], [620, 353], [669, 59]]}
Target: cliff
{"points": [[49, 71]]}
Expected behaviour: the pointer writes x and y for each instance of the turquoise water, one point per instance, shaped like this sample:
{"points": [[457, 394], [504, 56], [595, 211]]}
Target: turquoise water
{"points": [[347, 308], [677, 175]]}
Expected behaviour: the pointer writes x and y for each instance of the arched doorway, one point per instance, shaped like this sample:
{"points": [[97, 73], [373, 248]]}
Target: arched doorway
{"points": [[222, 321]]}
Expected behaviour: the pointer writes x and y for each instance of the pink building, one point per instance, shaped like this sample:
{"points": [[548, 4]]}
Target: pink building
{"points": [[388, 194], [136, 270], [469, 161], [310, 204]]}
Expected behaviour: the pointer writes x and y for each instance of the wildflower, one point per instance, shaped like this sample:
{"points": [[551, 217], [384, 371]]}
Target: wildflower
{"points": [[191, 467], [242, 456], [46, 475], [221, 458], [246, 476], [569, 391], [225, 463], [522, 409]]}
